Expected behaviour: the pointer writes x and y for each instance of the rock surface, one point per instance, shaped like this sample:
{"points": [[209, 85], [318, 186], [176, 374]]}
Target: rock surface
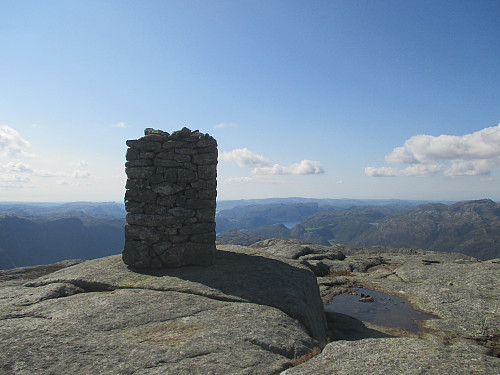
{"points": [[246, 314], [396, 356], [463, 291], [256, 310]]}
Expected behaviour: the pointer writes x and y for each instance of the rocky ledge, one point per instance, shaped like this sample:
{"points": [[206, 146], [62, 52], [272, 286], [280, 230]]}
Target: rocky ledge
{"points": [[245, 314], [463, 293], [256, 310]]}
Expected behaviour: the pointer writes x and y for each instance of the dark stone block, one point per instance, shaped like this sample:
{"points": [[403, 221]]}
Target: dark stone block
{"points": [[207, 172], [206, 238], [173, 144], [139, 172], [139, 163], [183, 158], [136, 183], [150, 220], [156, 179], [201, 203], [170, 175], [145, 234], [132, 154], [205, 215], [134, 207], [204, 184], [198, 228], [170, 199], [136, 253], [205, 159], [168, 189], [164, 155], [185, 175], [141, 196]]}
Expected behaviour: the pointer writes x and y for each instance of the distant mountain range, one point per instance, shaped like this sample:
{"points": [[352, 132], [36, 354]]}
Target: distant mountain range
{"points": [[85, 210], [340, 204], [43, 233], [38, 233], [471, 227]]}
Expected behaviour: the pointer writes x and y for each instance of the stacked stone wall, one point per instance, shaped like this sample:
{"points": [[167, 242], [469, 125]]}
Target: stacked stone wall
{"points": [[170, 199]]}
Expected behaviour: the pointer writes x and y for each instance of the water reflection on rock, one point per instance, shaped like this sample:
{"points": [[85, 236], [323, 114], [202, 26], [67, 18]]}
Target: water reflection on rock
{"points": [[378, 308]]}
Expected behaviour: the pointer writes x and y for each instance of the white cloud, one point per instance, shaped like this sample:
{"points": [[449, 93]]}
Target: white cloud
{"points": [[245, 158], [471, 167], [301, 168], [44, 173], [13, 178], [225, 125], [20, 169], [80, 174], [121, 125], [400, 155], [232, 180], [80, 163], [262, 166], [418, 170], [467, 155], [15, 168], [11, 142], [261, 179], [483, 144]]}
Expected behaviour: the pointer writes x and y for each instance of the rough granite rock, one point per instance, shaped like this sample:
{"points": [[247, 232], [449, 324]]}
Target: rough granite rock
{"points": [[246, 314], [463, 291], [251, 314], [407, 356], [316, 257]]}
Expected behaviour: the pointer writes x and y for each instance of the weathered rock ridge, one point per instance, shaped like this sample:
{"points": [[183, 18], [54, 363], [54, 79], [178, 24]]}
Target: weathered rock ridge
{"points": [[256, 310], [462, 291], [246, 314]]}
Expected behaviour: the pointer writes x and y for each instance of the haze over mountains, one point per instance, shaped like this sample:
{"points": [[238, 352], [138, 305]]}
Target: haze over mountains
{"points": [[43, 233], [470, 227]]}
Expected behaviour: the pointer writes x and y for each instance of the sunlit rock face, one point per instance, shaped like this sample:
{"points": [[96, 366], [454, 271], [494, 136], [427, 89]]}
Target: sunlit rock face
{"points": [[170, 199]]}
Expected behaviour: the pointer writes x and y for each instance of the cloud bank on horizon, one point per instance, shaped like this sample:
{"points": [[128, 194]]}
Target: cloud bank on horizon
{"points": [[262, 166], [474, 154], [16, 174]]}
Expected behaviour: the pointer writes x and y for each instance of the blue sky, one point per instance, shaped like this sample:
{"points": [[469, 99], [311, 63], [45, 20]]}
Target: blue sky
{"points": [[323, 99]]}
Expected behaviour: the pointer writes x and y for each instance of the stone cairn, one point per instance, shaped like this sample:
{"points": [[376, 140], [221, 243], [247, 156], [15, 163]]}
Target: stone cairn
{"points": [[170, 199]]}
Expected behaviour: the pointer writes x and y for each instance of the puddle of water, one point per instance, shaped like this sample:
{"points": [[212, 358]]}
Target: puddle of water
{"points": [[385, 310]]}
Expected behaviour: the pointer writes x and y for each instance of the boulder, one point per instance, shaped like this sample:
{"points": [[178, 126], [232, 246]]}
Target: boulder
{"points": [[245, 314], [297, 249]]}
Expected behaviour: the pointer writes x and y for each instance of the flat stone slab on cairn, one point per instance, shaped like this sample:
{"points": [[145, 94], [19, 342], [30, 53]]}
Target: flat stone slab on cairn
{"points": [[170, 199]]}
